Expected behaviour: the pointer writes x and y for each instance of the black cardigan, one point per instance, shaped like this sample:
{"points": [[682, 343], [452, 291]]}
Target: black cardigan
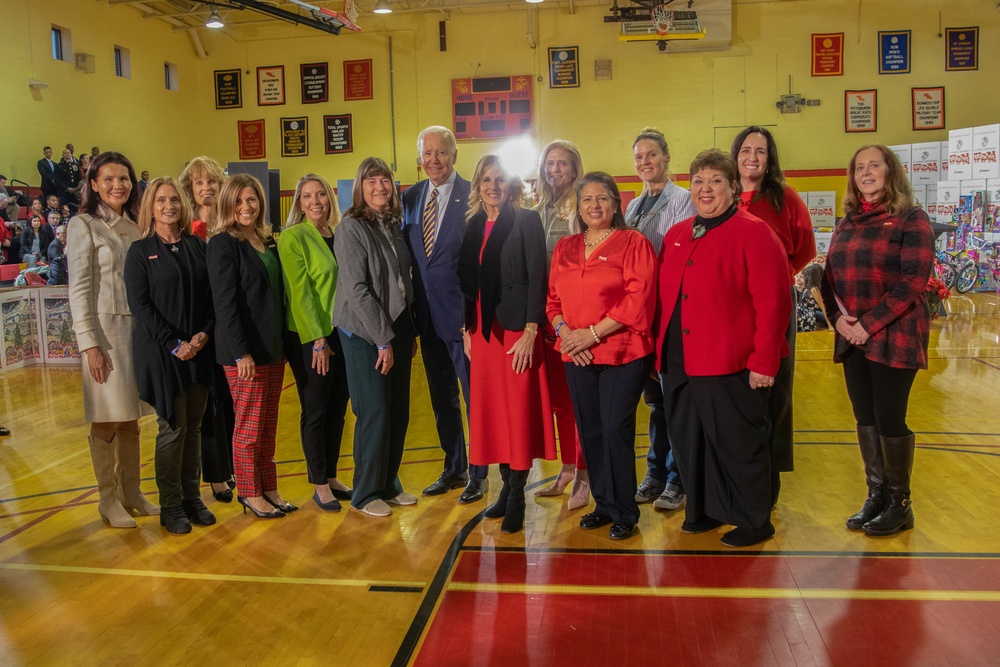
{"points": [[45, 235], [170, 300], [512, 279], [244, 310]]}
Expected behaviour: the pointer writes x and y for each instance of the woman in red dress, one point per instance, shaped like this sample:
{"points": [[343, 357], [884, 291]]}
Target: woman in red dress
{"points": [[503, 276]]}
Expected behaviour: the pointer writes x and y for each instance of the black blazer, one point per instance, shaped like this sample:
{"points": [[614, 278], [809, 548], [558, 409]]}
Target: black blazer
{"points": [[49, 186], [67, 177], [244, 308], [511, 281], [45, 235], [58, 271]]}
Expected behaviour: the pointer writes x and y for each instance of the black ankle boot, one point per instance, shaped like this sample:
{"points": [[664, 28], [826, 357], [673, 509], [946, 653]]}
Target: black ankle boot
{"points": [[499, 508], [871, 455], [897, 452], [513, 519]]}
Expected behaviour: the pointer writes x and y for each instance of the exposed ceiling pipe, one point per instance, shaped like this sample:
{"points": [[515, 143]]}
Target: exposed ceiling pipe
{"points": [[196, 43], [532, 21]]}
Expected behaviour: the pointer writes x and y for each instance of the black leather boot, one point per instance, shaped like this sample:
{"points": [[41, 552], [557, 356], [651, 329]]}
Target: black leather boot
{"points": [[897, 453], [499, 507], [513, 520], [871, 454]]}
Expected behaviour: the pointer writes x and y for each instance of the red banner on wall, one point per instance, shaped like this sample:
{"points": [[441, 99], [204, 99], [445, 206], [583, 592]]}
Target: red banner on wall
{"points": [[828, 54], [252, 144], [357, 80]]}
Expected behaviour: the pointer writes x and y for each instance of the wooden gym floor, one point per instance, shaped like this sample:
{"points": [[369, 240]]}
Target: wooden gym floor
{"points": [[436, 584]]}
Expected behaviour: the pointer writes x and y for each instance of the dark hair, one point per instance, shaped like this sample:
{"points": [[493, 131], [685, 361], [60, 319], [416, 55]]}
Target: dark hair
{"points": [[897, 195], [602, 178], [369, 167], [47, 148], [720, 161], [2, 177], [812, 276], [32, 216], [773, 183], [91, 200]]}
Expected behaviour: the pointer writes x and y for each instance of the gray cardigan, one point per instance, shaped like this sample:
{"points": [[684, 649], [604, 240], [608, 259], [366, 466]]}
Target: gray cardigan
{"points": [[368, 298]]}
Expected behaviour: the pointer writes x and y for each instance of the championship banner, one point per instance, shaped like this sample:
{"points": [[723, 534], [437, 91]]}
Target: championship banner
{"points": [[828, 54], [928, 108], [228, 89], [962, 46], [564, 67], [270, 86], [894, 52], [294, 137], [252, 144], [315, 83], [357, 80], [860, 110], [338, 133]]}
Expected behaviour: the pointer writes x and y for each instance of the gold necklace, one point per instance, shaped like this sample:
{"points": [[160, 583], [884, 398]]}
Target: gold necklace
{"points": [[593, 243]]}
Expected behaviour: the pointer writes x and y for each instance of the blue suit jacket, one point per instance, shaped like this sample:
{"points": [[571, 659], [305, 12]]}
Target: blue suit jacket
{"points": [[438, 296]]}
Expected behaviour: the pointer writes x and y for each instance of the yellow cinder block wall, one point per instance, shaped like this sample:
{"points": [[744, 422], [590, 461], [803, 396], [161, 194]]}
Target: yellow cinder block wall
{"points": [[698, 99]]}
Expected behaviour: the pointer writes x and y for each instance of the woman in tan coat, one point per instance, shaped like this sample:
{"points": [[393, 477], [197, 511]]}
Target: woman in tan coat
{"points": [[99, 238]]}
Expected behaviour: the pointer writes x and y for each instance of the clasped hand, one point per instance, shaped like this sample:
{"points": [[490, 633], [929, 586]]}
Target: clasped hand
{"points": [[851, 329], [577, 343]]}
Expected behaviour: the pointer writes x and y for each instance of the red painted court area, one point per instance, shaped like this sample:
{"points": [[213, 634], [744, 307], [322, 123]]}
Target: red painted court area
{"points": [[516, 608]]}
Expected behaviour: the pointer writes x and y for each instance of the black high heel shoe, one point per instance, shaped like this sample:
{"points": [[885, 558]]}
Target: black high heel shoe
{"points": [[222, 496], [285, 507], [340, 494], [273, 514]]}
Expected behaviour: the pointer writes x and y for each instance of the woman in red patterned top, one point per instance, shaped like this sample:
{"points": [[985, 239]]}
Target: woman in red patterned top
{"points": [[880, 258], [767, 196], [601, 301]]}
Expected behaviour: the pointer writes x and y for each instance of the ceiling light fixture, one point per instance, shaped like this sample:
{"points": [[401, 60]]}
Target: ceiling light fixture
{"points": [[214, 21], [533, 2], [383, 7]]}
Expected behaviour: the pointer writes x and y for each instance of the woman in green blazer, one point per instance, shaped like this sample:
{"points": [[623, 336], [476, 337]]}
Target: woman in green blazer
{"points": [[310, 274]]}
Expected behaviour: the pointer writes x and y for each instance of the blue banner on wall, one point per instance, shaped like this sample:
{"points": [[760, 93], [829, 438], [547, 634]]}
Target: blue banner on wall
{"points": [[894, 52], [963, 49]]}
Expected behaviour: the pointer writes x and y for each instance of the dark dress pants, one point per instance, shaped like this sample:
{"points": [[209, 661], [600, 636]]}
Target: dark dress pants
{"points": [[446, 366], [779, 405], [323, 401], [381, 406], [605, 400], [660, 457], [217, 426], [177, 459], [879, 394]]}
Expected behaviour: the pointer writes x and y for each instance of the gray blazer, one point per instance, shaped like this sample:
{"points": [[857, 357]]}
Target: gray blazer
{"points": [[673, 206], [368, 298]]}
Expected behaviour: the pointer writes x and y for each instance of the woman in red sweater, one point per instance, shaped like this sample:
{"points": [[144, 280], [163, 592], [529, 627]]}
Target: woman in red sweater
{"points": [[880, 258], [767, 196], [723, 307]]}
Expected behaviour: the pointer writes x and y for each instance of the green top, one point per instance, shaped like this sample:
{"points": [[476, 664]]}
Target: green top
{"points": [[310, 273], [274, 281]]}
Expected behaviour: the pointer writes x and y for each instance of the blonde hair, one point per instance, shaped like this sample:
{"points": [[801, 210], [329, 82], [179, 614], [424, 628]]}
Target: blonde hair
{"points": [[515, 186], [295, 213], [658, 138], [146, 223], [202, 166], [897, 195], [227, 209], [565, 205]]}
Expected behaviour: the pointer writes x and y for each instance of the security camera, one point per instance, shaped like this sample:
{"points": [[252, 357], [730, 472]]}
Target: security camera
{"points": [[662, 45]]}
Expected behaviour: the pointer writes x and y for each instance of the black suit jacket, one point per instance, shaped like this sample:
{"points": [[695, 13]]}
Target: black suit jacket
{"points": [[512, 279], [58, 271], [244, 306], [48, 175], [67, 177]]}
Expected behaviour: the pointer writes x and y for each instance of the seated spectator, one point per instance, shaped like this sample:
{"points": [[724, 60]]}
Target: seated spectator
{"points": [[31, 241], [58, 246], [51, 204], [9, 208], [5, 241], [809, 311], [37, 207], [58, 265]]}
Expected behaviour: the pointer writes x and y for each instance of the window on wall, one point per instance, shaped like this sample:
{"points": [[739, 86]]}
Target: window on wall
{"points": [[170, 76], [62, 47], [123, 62]]}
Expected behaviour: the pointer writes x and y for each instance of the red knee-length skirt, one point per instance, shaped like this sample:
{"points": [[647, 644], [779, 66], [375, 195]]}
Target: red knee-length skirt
{"points": [[510, 418]]}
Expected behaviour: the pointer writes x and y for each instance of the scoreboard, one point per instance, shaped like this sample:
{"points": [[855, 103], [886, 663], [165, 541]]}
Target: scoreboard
{"points": [[492, 107]]}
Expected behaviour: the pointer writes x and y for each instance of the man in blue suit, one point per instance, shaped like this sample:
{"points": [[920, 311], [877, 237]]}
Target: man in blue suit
{"points": [[434, 225]]}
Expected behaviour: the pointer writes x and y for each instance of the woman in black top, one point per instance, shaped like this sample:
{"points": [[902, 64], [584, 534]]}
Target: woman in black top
{"points": [[165, 278]]}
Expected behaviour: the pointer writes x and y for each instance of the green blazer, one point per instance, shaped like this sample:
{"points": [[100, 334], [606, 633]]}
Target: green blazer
{"points": [[310, 276]]}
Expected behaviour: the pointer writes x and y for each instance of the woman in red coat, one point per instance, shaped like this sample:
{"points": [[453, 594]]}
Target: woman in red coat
{"points": [[501, 267], [723, 308], [767, 196], [880, 258]]}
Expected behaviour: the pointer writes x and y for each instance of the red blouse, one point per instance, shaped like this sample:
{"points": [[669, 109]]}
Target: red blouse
{"points": [[793, 226], [199, 229], [617, 281]]}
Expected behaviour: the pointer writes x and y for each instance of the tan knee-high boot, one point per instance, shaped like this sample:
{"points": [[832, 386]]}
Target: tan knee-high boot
{"points": [[128, 475], [103, 455]]}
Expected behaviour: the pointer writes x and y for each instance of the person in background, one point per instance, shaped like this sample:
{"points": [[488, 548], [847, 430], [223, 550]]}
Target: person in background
{"points": [[372, 312], [601, 301], [201, 180], [165, 278], [98, 240], [72, 154], [502, 271], [560, 168], [810, 314], [314, 349], [143, 182], [244, 272], [58, 264], [94, 152], [767, 196], [880, 257], [58, 245], [9, 208], [434, 213], [67, 179], [660, 206], [47, 172], [34, 241]]}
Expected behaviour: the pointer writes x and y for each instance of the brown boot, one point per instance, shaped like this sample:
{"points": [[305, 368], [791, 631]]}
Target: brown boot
{"points": [[871, 454], [580, 496], [128, 475], [103, 455]]}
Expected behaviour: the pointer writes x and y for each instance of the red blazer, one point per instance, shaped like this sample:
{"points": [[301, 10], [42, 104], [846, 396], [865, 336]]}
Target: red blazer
{"points": [[734, 286], [793, 226]]}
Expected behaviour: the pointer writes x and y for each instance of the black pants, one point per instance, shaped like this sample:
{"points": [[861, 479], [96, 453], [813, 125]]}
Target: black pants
{"points": [[879, 393], [217, 426], [323, 401], [779, 405], [178, 448], [381, 406], [604, 400], [719, 427], [660, 457]]}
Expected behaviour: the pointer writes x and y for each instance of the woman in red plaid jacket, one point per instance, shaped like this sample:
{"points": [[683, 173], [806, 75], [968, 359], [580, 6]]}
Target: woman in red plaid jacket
{"points": [[879, 261]]}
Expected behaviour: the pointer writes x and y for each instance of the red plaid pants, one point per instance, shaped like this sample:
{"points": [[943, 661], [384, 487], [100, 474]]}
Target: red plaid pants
{"points": [[255, 402]]}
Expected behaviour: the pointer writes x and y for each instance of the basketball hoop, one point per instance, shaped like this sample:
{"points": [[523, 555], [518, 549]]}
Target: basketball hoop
{"points": [[662, 19], [351, 11]]}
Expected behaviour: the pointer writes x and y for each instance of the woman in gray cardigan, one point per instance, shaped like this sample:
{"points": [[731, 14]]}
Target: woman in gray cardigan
{"points": [[372, 312]]}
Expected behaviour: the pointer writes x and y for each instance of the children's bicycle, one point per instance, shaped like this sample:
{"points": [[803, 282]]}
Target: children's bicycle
{"points": [[981, 253]]}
